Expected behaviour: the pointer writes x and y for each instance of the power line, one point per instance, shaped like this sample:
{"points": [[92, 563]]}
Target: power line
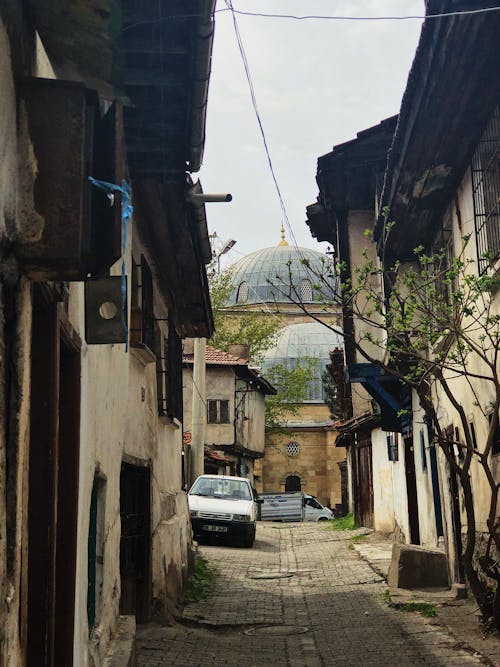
{"points": [[319, 17], [248, 76]]}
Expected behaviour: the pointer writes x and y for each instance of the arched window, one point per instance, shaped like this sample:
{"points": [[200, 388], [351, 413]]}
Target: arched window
{"points": [[292, 483], [242, 295], [306, 290]]}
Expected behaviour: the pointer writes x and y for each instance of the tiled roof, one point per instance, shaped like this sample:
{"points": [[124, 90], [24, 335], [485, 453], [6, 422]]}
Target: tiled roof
{"points": [[218, 357]]}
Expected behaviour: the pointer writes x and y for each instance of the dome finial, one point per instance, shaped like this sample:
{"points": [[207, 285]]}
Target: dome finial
{"points": [[283, 239]]}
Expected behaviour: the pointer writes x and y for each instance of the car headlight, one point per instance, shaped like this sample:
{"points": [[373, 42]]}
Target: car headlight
{"points": [[193, 514], [241, 517]]}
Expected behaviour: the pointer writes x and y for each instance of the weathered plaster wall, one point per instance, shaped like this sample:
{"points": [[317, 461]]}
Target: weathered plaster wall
{"points": [[358, 222], [383, 499], [251, 417], [474, 395]]}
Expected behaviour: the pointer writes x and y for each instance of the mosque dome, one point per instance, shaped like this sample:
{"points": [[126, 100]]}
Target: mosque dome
{"points": [[279, 274], [298, 342]]}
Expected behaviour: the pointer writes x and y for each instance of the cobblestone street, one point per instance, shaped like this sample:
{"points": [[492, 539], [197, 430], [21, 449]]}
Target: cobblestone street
{"points": [[301, 598]]}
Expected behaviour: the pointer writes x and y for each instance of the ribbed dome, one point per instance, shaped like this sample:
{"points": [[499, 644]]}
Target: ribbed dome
{"points": [[299, 342], [273, 274]]}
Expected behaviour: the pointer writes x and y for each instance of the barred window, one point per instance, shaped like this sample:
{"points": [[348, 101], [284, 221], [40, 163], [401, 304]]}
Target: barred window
{"points": [[306, 291], [486, 191], [242, 293], [217, 411], [392, 447]]}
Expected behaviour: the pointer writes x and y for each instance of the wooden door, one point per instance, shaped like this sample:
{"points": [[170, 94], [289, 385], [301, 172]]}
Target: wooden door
{"points": [[135, 542], [365, 482], [53, 487]]}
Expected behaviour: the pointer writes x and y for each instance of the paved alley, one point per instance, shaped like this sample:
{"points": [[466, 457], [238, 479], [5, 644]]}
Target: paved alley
{"points": [[301, 598]]}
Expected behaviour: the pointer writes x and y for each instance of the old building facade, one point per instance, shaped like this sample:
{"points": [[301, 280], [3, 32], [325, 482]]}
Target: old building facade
{"points": [[97, 236], [441, 192], [234, 409]]}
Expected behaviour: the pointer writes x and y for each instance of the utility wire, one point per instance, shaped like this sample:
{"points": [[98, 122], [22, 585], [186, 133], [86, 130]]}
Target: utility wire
{"points": [[319, 17], [248, 76]]}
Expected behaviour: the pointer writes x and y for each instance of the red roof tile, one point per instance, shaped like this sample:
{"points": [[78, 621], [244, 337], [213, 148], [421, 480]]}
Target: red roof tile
{"points": [[218, 357]]}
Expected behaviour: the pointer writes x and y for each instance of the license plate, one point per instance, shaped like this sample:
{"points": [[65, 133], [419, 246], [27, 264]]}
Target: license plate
{"points": [[215, 529]]}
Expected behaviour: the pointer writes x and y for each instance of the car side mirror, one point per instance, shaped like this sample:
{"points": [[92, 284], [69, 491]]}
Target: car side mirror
{"points": [[259, 501]]}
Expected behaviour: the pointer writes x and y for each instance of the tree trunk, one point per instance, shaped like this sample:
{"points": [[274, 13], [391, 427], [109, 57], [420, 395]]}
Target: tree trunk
{"points": [[478, 587]]}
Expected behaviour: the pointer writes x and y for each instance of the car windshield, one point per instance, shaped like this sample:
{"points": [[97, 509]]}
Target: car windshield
{"points": [[232, 489]]}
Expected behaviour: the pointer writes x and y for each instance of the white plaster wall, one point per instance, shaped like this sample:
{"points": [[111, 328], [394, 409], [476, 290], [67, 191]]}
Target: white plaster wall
{"points": [[399, 494], [478, 391], [251, 417], [358, 222], [425, 495], [383, 500]]}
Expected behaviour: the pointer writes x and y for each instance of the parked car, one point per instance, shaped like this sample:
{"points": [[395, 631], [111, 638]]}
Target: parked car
{"points": [[223, 505], [296, 506], [314, 510]]}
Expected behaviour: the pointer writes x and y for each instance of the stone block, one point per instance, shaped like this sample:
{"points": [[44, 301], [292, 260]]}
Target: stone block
{"points": [[417, 567]]}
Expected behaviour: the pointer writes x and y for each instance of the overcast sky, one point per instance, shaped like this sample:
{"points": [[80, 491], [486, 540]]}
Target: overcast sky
{"points": [[317, 84]]}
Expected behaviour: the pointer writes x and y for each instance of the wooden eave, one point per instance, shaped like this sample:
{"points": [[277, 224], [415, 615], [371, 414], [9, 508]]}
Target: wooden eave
{"points": [[174, 238], [452, 89], [260, 382], [154, 56], [346, 178]]}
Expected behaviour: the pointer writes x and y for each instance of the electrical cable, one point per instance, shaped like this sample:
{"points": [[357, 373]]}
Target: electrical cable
{"points": [[248, 76], [319, 17]]}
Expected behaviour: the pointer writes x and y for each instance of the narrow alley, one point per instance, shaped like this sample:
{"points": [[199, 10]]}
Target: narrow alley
{"points": [[302, 597]]}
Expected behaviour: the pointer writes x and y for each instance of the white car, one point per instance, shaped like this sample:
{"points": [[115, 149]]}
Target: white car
{"points": [[223, 505], [314, 510]]}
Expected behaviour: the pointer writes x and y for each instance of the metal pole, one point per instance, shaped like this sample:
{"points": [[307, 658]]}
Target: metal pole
{"points": [[199, 408]]}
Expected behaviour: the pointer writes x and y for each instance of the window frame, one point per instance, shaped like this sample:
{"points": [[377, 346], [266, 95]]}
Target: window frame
{"points": [[218, 406], [485, 174]]}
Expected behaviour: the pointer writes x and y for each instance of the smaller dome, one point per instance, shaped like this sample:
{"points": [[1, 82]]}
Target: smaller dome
{"points": [[297, 343]]}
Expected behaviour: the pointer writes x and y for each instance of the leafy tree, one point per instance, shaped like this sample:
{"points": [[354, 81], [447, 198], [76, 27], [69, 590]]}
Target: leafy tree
{"points": [[429, 323], [291, 384]]}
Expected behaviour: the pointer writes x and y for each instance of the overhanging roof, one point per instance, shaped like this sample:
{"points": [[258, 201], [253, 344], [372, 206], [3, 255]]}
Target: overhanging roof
{"points": [[155, 55], [347, 178], [452, 90]]}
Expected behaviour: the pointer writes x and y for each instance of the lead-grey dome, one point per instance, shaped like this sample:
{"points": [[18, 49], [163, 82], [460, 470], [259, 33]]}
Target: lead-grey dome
{"points": [[298, 342], [269, 275]]}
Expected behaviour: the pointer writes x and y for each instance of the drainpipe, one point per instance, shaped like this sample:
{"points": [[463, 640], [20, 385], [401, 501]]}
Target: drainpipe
{"points": [[199, 409]]}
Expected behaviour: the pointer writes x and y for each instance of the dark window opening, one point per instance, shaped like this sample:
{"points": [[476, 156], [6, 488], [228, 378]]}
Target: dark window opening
{"points": [[95, 551], [459, 448], [217, 411], [142, 319], [392, 447], [495, 447], [473, 434], [292, 483], [169, 374], [422, 451], [486, 193]]}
